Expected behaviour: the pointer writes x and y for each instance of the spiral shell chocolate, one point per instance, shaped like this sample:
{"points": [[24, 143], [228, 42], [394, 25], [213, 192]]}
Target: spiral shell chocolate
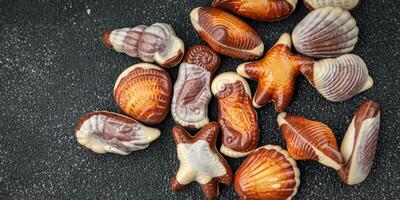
{"points": [[326, 32], [226, 34], [345, 4], [310, 140], [143, 91], [237, 117], [359, 143], [267, 173], [338, 79], [156, 43], [104, 132], [263, 10]]}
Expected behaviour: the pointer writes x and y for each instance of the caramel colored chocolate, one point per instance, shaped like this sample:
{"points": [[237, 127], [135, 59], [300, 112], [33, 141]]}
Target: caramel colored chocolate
{"points": [[237, 117], [276, 74], [103, 132], [263, 10], [200, 160], [310, 140], [226, 34], [192, 91], [359, 144], [143, 91]]}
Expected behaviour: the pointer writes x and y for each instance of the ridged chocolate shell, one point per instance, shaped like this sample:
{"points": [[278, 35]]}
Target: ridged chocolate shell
{"points": [[192, 91], [226, 34], [326, 32], [143, 91], [237, 117], [338, 79], [310, 140], [267, 173], [345, 4], [263, 10], [359, 144], [103, 132]]}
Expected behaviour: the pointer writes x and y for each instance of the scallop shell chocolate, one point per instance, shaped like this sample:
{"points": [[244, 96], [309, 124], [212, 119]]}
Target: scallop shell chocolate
{"points": [[192, 91], [143, 91], [345, 4], [326, 32], [310, 140], [338, 79], [359, 143], [226, 34], [237, 117], [104, 132], [156, 43], [262, 10], [267, 173]]}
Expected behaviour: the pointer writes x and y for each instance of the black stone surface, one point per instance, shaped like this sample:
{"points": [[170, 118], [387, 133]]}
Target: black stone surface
{"points": [[54, 69]]}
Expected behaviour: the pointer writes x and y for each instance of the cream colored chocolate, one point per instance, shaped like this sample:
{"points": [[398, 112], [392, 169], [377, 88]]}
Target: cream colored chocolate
{"points": [[104, 132], [156, 43], [345, 4], [326, 32], [339, 79], [359, 144]]}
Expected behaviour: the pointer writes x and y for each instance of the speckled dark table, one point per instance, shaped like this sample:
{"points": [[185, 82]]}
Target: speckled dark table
{"points": [[54, 69]]}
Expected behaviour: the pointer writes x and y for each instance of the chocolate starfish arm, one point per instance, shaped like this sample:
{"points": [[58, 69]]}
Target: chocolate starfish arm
{"points": [[180, 135], [175, 185], [227, 178], [282, 99], [210, 189], [262, 96], [209, 133]]}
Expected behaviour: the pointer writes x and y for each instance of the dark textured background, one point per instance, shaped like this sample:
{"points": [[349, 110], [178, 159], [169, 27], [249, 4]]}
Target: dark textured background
{"points": [[54, 69]]}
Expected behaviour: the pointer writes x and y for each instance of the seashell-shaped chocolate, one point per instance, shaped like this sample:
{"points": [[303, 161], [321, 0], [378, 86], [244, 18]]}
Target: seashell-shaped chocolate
{"points": [[326, 32], [192, 91], [156, 43], [237, 117], [359, 144], [226, 34], [310, 140], [338, 79], [143, 91], [104, 132], [263, 10], [267, 173], [345, 4]]}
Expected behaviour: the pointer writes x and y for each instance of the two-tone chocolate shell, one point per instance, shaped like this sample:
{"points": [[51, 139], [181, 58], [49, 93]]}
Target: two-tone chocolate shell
{"points": [[310, 140], [143, 91], [359, 144], [156, 43], [338, 79], [104, 132], [326, 32], [226, 34], [263, 10], [192, 91], [345, 4], [237, 117], [267, 173]]}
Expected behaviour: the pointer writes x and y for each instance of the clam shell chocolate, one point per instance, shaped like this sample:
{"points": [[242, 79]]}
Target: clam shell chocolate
{"points": [[143, 91], [338, 79], [326, 32], [104, 132], [310, 140], [192, 91], [156, 43], [267, 173], [226, 34], [237, 117], [359, 143], [345, 4], [263, 10]]}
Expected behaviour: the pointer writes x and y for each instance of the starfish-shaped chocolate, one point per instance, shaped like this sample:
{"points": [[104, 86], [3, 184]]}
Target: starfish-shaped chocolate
{"points": [[200, 161], [276, 74]]}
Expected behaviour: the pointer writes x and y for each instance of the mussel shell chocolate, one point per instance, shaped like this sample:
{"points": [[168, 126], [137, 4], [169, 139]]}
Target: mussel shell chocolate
{"points": [[226, 34], [326, 32], [345, 4], [143, 91]]}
